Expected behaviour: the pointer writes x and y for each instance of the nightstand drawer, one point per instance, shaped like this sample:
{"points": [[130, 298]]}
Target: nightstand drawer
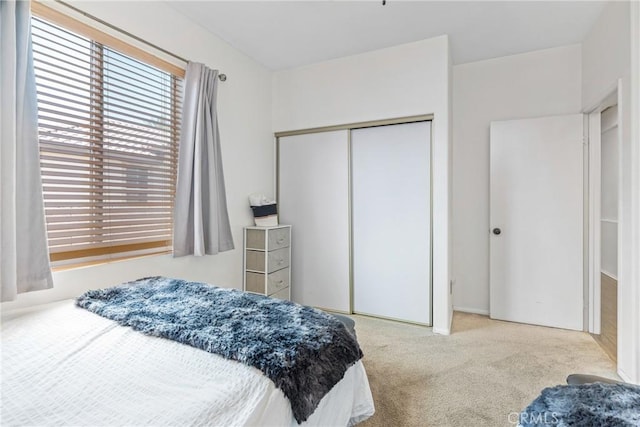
{"points": [[275, 282], [279, 238], [283, 294], [276, 260]]}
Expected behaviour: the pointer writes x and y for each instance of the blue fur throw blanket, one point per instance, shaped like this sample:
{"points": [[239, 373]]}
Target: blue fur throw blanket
{"points": [[588, 405], [304, 351]]}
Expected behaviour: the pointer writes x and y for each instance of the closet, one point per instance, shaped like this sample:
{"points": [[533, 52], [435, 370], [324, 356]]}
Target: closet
{"points": [[359, 198], [313, 197], [609, 201]]}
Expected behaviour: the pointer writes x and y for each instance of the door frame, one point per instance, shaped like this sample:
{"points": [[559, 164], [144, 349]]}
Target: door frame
{"points": [[593, 291]]}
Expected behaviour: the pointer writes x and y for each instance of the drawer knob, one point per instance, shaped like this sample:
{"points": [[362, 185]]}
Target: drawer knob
{"points": [[280, 240], [280, 261]]}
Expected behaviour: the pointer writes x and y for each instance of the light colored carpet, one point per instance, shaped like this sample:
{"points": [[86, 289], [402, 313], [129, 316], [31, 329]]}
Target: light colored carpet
{"points": [[478, 376]]}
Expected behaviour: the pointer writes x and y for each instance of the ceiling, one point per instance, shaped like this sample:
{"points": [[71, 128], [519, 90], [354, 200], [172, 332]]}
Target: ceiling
{"points": [[287, 34]]}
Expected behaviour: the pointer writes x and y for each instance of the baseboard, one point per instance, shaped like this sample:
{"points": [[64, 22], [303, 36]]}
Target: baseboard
{"points": [[624, 377], [442, 331], [471, 310]]}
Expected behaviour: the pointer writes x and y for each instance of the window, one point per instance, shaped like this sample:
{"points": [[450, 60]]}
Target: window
{"points": [[108, 131]]}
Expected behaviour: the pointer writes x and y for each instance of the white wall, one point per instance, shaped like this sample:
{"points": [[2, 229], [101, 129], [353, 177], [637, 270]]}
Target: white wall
{"points": [[244, 109], [540, 83], [635, 143], [606, 61], [635, 164], [406, 80], [606, 53]]}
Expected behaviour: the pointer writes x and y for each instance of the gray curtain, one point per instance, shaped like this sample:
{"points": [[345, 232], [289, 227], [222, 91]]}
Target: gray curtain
{"points": [[200, 222], [24, 257]]}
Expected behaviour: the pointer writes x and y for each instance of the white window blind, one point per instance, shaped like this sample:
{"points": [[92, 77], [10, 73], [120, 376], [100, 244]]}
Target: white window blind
{"points": [[109, 131]]}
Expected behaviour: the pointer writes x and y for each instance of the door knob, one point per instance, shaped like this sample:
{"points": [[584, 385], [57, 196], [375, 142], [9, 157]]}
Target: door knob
{"points": [[497, 231]]}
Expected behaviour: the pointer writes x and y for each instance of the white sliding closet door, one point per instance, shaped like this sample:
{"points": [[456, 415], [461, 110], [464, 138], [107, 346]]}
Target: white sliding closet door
{"points": [[313, 197], [392, 221]]}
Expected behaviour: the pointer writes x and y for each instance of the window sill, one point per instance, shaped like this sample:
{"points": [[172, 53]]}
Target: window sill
{"points": [[94, 263]]}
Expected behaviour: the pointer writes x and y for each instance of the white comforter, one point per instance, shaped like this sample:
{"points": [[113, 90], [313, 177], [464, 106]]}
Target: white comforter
{"points": [[62, 365]]}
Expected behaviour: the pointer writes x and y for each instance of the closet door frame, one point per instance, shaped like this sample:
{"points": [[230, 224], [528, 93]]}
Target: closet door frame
{"points": [[592, 210], [359, 125]]}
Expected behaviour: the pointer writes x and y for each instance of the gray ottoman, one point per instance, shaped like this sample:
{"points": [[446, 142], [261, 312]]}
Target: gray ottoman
{"points": [[347, 321], [578, 379]]}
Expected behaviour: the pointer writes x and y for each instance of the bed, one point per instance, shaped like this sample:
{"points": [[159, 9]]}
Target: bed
{"points": [[64, 365]]}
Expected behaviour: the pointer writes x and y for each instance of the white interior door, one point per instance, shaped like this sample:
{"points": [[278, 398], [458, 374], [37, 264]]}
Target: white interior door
{"points": [[313, 197], [391, 205], [536, 192]]}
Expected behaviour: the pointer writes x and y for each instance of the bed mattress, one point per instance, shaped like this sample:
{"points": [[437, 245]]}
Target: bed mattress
{"points": [[62, 365]]}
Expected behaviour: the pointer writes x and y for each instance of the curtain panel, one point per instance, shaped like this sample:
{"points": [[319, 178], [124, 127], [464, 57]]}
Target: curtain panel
{"points": [[24, 257], [201, 221]]}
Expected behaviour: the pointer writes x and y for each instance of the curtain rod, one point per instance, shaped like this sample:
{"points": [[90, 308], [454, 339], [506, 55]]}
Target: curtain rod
{"points": [[222, 77]]}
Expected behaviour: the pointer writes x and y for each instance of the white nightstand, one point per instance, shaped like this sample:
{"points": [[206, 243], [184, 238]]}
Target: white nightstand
{"points": [[267, 255]]}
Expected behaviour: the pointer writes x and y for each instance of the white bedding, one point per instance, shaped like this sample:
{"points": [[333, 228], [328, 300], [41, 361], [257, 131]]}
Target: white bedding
{"points": [[62, 365]]}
